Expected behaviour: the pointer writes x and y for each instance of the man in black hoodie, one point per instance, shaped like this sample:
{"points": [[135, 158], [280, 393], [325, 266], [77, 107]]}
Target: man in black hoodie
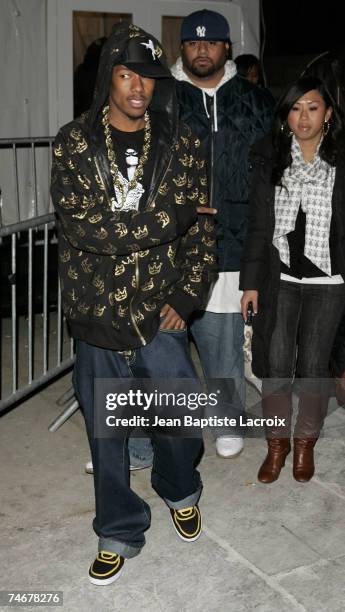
{"points": [[135, 262]]}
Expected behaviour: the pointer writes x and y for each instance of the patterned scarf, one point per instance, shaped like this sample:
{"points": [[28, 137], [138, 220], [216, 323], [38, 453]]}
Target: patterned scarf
{"points": [[309, 185]]}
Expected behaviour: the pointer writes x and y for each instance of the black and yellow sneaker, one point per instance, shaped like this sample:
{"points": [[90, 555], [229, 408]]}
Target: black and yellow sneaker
{"points": [[187, 522], [106, 568]]}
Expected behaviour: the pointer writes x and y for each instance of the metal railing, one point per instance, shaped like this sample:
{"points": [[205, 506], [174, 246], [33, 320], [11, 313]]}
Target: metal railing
{"points": [[35, 346], [24, 178]]}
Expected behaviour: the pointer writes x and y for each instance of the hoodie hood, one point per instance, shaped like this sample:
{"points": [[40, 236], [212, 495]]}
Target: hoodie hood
{"points": [[229, 72], [164, 96], [180, 75]]}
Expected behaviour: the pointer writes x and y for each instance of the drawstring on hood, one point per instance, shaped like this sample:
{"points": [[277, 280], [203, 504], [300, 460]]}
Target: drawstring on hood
{"points": [[215, 113], [229, 72], [205, 103]]}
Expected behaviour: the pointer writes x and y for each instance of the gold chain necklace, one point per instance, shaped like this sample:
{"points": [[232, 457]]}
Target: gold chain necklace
{"points": [[114, 169]]}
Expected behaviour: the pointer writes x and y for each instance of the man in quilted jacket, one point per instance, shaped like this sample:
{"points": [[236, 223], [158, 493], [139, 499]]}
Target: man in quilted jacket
{"points": [[229, 114]]}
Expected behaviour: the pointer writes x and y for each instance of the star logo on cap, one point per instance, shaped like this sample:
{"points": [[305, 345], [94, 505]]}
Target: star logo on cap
{"points": [[201, 31], [150, 47]]}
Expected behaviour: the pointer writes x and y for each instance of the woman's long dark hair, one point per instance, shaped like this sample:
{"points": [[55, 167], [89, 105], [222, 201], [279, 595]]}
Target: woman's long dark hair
{"points": [[333, 143]]}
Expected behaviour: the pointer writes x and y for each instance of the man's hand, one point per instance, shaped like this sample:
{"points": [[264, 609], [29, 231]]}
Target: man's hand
{"points": [[249, 296], [202, 210], [170, 319]]}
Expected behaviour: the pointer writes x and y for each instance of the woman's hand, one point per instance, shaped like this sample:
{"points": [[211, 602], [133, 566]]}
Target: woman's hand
{"points": [[250, 295]]}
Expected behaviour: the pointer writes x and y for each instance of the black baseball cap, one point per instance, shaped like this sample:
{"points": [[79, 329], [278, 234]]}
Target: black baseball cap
{"points": [[142, 55], [205, 25]]}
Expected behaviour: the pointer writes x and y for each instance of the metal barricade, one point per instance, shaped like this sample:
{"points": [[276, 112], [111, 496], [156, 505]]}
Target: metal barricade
{"points": [[35, 346]]}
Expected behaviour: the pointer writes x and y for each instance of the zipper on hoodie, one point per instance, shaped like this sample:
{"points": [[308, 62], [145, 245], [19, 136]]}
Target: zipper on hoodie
{"points": [[209, 102], [161, 178], [102, 181], [131, 314], [136, 256]]}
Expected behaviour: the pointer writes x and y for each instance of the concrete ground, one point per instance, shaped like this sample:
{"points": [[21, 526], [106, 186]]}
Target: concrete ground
{"points": [[267, 548]]}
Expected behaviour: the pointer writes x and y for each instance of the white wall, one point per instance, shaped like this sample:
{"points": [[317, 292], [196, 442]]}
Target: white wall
{"points": [[23, 105], [251, 25], [23, 68]]}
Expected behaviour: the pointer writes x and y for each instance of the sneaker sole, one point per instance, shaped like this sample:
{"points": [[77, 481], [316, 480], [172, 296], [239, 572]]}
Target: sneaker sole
{"points": [[105, 581], [229, 456], [187, 539], [135, 468]]}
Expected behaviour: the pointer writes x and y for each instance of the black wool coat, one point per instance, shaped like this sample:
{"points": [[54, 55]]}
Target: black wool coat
{"points": [[260, 264]]}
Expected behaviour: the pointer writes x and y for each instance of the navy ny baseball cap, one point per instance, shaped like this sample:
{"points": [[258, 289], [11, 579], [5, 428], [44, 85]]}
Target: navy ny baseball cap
{"points": [[205, 25]]}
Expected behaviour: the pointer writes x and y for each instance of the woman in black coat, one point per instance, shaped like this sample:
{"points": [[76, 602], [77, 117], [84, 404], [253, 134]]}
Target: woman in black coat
{"points": [[330, 68], [293, 269]]}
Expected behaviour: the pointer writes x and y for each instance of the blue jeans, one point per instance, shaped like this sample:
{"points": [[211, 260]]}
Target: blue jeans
{"points": [[140, 452], [219, 338], [122, 516]]}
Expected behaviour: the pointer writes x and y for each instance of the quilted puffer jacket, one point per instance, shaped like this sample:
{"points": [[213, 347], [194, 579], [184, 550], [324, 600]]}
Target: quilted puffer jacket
{"points": [[227, 124]]}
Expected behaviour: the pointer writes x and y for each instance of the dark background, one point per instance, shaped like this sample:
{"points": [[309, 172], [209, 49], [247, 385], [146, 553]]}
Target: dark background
{"points": [[302, 26], [295, 32]]}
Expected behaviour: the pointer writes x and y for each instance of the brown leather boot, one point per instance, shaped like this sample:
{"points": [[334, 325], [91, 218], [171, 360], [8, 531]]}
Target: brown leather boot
{"points": [[312, 409], [278, 450], [303, 459], [278, 438]]}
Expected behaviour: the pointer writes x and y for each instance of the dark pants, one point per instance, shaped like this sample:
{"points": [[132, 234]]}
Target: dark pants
{"points": [[121, 515], [308, 317], [338, 352]]}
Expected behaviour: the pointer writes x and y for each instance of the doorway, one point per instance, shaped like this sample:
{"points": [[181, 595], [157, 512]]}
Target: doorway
{"points": [[90, 31]]}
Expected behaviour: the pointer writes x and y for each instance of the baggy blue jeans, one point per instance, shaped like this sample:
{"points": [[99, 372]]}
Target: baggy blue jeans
{"points": [[121, 515]]}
